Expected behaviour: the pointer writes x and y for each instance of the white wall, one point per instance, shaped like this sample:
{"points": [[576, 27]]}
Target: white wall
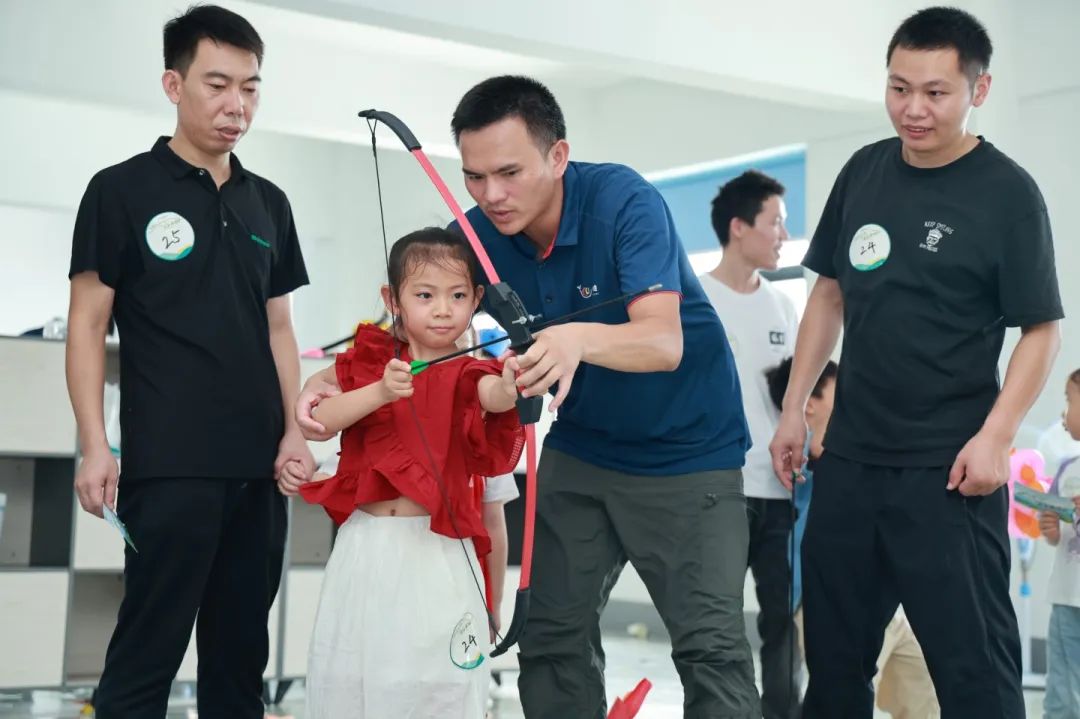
{"points": [[749, 48], [32, 239], [656, 126], [317, 72], [331, 187], [1047, 111]]}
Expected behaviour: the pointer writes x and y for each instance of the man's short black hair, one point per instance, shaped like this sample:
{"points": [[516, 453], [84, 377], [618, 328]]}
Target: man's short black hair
{"points": [[498, 98], [224, 27], [742, 197], [940, 28]]}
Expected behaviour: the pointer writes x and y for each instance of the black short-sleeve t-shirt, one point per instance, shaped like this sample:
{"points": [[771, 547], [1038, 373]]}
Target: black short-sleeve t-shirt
{"points": [[933, 265], [192, 267]]}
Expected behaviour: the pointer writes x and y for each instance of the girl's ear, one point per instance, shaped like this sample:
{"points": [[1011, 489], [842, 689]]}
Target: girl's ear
{"points": [[388, 300], [478, 295], [396, 329]]}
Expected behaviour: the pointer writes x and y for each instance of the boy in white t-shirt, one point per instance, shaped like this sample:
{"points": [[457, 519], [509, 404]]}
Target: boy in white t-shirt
{"points": [[748, 216], [1063, 638]]}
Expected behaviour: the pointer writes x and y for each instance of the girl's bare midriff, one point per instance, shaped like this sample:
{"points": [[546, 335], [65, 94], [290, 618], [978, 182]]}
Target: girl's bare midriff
{"points": [[400, 507]]}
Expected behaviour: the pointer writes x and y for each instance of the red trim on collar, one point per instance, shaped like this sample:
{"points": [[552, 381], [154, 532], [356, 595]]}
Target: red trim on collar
{"points": [[547, 252]]}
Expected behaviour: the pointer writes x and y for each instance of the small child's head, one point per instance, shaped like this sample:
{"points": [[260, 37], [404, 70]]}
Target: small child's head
{"points": [[1071, 416], [434, 286], [819, 406]]}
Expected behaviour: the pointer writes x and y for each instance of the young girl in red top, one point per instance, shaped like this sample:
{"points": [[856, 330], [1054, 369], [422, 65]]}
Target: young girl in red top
{"points": [[402, 628]]}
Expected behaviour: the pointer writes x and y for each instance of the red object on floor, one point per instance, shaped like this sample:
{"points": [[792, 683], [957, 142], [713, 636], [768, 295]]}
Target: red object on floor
{"points": [[627, 706]]}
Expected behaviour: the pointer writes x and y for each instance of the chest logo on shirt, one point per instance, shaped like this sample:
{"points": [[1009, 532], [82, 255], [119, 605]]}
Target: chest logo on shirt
{"points": [[776, 338], [587, 291], [170, 236], [936, 232], [870, 247]]}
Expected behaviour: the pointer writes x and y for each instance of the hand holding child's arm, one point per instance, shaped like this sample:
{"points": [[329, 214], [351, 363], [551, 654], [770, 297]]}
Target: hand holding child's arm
{"points": [[498, 394], [293, 476], [319, 386], [1050, 526]]}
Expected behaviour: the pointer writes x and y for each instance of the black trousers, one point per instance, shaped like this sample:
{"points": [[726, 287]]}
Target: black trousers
{"points": [[781, 664], [210, 555], [879, 536]]}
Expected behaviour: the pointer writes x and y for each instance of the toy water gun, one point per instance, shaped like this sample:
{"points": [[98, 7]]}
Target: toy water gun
{"points": [[1043, 502]]}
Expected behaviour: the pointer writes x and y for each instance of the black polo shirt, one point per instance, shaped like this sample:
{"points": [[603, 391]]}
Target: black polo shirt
{"points": [[193, 267], [933, 265]]}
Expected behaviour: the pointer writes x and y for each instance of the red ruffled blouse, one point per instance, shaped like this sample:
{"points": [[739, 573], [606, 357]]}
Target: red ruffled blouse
{"points": [[383, 456]]}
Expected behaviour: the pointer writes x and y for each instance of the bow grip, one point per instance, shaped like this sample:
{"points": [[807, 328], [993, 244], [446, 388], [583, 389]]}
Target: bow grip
{"points": [[529, 409]]}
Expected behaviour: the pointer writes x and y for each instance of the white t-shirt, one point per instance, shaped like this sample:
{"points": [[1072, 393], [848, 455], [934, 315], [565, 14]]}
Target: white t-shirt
{"points": [[500, 489], [329, 465], [1065, 576], [761, 328]]}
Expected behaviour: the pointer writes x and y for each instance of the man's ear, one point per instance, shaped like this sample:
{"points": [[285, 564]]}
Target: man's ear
{"points": [[171, 81]]}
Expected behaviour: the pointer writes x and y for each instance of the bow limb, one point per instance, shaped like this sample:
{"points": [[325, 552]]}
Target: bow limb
{"points": [[510, 312]]}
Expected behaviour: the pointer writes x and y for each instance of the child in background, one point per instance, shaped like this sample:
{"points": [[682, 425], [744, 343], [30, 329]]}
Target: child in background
{"points": [[1063, 638], [497, 492], [818, 411], [902, 683], [402, 624]]}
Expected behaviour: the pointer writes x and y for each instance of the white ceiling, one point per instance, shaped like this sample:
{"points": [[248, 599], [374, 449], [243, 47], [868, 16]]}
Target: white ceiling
{"points": [[318, 71], [605, 59]]}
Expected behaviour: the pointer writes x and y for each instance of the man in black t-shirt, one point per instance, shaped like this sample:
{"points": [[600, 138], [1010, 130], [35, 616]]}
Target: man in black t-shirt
{"points": [[929, 246], [196, 257]]}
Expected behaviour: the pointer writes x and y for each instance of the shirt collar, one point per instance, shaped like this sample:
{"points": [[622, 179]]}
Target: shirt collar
{"points": [[567, 234], [571, 208], [179, 167]]}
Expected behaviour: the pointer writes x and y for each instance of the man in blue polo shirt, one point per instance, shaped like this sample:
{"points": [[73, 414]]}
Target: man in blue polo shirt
{"points": [[643, 462]]}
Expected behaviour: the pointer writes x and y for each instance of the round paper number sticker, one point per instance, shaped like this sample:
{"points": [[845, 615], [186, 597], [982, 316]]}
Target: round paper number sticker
{"points": [[870, 248], [170, 236], [465, 641]]}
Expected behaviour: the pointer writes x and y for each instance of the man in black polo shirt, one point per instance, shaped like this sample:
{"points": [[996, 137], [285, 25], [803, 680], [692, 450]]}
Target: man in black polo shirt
{"points": [[195, 257], [929, 246]]}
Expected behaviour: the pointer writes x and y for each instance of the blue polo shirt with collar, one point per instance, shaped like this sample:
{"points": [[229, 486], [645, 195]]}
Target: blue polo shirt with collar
{"points": [[616, 236]]}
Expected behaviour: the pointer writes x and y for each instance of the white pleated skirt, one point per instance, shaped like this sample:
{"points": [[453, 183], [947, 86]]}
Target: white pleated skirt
{"points": [[401, 630]]}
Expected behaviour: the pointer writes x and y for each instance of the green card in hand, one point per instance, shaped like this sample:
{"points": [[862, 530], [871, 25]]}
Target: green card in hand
{"points": [[111, 518]]}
